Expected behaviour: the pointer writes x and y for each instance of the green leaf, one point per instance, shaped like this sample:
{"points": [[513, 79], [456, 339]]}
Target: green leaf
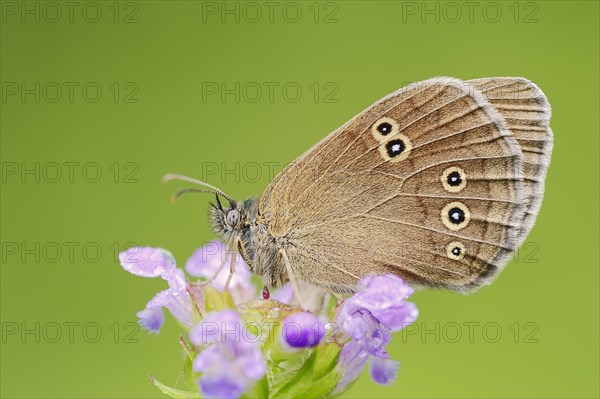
{"points": [[187, 349], [191, 377], [325, 385], [175, 393], [283, 365], [327, 359], [299, 383], [318, 376], [260, 390]]}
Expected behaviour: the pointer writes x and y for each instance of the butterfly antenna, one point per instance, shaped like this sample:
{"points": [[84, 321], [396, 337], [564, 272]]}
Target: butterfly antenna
{"points": [[179, 193], [211, 189], [218, 202]]}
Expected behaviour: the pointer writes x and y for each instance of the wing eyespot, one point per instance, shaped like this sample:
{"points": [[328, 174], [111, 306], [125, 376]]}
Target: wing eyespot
{"points": [[384, 128], [396, 149], [454, 179], [456, 216], [455, 250]]}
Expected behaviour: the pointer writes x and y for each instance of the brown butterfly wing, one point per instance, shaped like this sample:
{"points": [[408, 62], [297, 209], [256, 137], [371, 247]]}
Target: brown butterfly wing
{"points": [[527, 112], [362, 202]]}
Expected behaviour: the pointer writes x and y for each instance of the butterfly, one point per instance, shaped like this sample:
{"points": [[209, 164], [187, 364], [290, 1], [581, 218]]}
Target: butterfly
{"points": [[439, 183]]}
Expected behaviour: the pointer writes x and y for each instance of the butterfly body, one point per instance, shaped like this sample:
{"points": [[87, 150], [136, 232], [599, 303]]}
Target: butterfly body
{"points": [[439, 183]]}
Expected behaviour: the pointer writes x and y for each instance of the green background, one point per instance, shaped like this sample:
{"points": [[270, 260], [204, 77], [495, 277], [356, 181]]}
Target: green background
{"points": [[161, 123]]}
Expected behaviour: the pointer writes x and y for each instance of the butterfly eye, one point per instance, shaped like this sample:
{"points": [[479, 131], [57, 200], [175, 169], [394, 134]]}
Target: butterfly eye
{"points": [[454, 179], [455, 250], [383, 128], [396, 149], [456, 216], [233, 218]]}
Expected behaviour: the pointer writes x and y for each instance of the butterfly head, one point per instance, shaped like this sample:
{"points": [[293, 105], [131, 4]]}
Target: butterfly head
{"points": [[225, 220], [230, 222]]}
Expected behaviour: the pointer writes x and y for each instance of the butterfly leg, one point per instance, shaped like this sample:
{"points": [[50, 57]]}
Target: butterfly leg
{"points": [[231, 266], [292, 278]]}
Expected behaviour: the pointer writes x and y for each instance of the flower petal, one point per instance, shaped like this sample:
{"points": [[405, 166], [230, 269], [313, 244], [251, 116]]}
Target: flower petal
{"points": [[368, 317], [159, 300], [218, 327], [221, 385], [352, 361], [151, 319], [177, 300], [360, 325], [176, 279], [233, 360], [398, 317], [146, 261], [252, 364], [380, 292], [303, 330], [213, 258], [180, 306], [383, 371], [384, 296], [206, 260], [209, 359], [284, 295]]}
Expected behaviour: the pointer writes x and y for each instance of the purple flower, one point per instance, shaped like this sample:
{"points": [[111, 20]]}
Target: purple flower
{"points": [[352, 361], [233, 361], [212, 261], [302, 330], [369, 317], [385, 297], [284, 295], [383, 371], [157, 262], [151, 319]]}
